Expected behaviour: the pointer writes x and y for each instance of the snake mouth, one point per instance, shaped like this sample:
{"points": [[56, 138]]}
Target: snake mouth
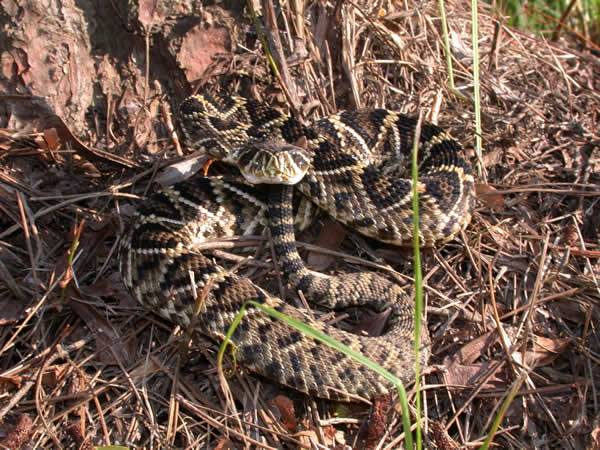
{"points": [[271, 162]]}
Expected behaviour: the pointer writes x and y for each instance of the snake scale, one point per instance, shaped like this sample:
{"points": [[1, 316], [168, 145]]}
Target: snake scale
{"points": [[351, 165]]}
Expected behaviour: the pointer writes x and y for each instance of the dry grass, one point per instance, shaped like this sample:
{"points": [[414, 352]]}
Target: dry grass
{"points": [[512, 304]]}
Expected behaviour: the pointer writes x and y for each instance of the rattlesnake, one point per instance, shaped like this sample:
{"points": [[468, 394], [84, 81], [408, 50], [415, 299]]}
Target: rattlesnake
{"points": [[350, 165]]}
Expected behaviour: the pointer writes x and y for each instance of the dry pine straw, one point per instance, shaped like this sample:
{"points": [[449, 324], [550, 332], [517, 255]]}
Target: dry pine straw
{"points": [[512, 304]]}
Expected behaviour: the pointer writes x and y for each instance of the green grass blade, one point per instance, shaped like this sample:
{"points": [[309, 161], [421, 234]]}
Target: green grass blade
{"points": [[449, 69], [505, 404], [418, 276], [446, 43], [476, 90], [322, 337], [263, 39]]}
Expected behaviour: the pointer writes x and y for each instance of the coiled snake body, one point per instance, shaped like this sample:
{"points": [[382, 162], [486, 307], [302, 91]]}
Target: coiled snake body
{"points": [[350, 165]]}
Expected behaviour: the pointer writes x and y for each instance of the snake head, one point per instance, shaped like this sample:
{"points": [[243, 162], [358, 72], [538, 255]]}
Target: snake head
{"points": [[234, 130], [271, 162]]}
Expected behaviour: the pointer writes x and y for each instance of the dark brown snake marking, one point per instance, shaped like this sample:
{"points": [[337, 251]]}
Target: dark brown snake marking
{"points": [[355, 174]]}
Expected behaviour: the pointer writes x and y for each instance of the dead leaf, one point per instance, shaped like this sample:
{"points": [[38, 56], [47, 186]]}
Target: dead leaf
{"points": [[574, 311], [110, 343], [372, 325], [489, 195], [198, 47], [474, 349], [105, 287], [51, 138], [182, 170], [5, 381], [493, 157], [457, 374], [286, 411], [11, 310], [146, 368], [546, 350], [225, 444], [86, 166], [331, 236], [54, 374]]}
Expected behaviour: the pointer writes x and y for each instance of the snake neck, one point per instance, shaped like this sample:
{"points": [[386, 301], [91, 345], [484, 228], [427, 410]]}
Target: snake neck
{"points": [[335, 292]]}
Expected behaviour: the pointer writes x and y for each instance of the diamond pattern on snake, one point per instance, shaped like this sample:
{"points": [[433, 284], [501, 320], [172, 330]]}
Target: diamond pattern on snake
{"points": [[351, 165]]}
